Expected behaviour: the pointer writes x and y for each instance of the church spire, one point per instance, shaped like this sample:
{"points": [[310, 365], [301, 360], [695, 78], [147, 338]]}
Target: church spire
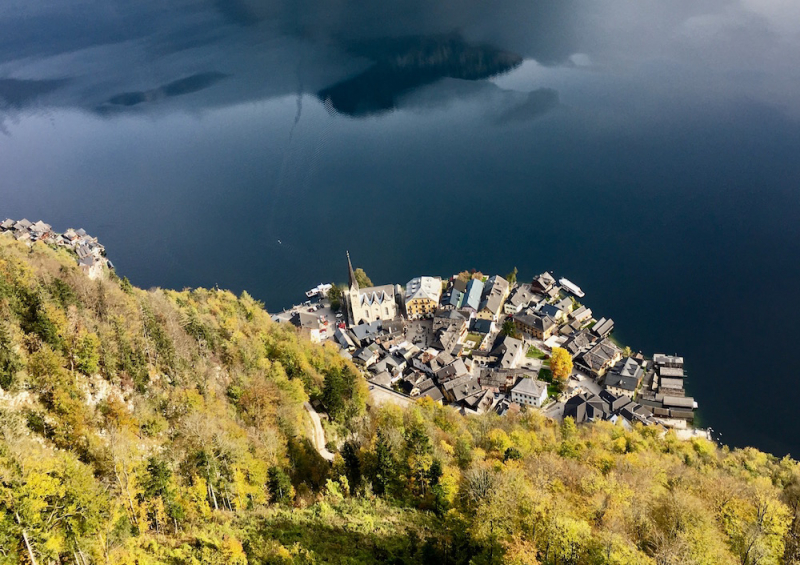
{"points": [[351, 274]]}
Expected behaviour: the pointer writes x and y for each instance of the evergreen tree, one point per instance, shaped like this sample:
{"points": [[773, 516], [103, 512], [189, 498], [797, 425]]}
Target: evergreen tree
{"points": [[10, 363], [280, 487], [384, 465], [352, 464]]}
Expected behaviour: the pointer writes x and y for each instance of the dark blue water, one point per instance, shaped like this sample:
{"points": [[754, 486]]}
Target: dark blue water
{"points": [[646, 150]]}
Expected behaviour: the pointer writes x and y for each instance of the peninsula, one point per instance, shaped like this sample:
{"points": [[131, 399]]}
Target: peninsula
{"points": [[491, 343]]}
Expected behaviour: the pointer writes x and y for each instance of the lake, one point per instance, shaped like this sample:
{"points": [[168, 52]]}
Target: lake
{"points": [[646, 150]]}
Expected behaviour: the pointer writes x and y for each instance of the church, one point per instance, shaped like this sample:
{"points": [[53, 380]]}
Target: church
{"points": [[366, 305]]}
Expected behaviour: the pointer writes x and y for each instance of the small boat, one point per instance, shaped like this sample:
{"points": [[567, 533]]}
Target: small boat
{"points": [[319, 290], [572, 287]]}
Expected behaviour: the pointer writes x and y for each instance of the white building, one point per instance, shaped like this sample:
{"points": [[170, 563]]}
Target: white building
{"points": [[530, 392], [422, 297]]}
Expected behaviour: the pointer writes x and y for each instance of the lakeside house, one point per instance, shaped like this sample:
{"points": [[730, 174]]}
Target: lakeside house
{"points": [[624, 378], [540, 327], [422, 297]]}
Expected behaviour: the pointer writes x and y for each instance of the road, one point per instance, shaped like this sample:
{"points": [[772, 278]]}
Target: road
{"points": [[319, 434]]}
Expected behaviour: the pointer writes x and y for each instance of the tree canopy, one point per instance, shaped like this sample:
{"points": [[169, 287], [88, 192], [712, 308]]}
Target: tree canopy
{"points": [[362, 279], [166, 427]]}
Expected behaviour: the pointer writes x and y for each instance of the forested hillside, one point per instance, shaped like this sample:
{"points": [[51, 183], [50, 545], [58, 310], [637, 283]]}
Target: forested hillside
{"points": [[168, 427]]}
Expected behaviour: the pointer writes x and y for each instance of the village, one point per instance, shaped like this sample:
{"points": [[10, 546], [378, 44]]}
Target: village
{"points": [[484, 343], [91, 255], [477, 343]]}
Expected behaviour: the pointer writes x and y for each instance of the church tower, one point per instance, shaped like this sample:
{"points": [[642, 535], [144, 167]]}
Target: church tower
{"points": [[352, 300], [352, 276]]}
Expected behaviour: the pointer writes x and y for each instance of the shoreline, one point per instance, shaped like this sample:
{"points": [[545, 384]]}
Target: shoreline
{"points": [[469, 340]]}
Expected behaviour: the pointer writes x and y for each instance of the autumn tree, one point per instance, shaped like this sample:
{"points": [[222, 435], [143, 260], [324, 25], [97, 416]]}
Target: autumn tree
{"points": [[560, 365]]}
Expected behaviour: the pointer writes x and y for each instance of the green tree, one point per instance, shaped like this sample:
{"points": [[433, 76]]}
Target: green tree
{"points": [[343, 393], [159, 489], [280, 487], [510, 329], [336, 297], [512, 276], [10, 363], [362, 279], [352, 464], [385, 471]]}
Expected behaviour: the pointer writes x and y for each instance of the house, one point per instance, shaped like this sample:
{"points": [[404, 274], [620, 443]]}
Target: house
{"points": [[624, 378], [383, 379], [422, 386], [422, 297], [552, 311], [444, 318], [494, 296], [365, 333], [22, 225], [586, 407], [7, 224], [599, 358], [393, 364], [366, 356], [453, 297], [458, 389], [70, 236], [540, 327], [423, 359], [673, 361], [434, 393], [530, 392], [40, 230], [479, 403], [519, 299], [448, 338], [582, 314], [472, 296], [454, 370], [369, 304], [577, 343], [508, 351], [91, 267], [481, 326], [344, 340], [603, 327], [503, 380], [543, 283], [565, 305]]}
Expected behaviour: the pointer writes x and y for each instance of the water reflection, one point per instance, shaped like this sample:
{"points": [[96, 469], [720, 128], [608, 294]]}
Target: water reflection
{"points": [[402, 65], [144, 56]]}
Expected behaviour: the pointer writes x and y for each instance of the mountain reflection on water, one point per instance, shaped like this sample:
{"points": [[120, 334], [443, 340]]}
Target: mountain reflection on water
{"points": [[402, 65], [121, 56]]}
